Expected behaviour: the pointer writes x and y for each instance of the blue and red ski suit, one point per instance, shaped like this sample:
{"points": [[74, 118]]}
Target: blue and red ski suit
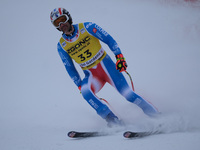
{"points": [[84, 48]]}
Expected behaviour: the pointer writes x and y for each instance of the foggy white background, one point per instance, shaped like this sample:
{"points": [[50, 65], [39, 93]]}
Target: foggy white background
{"points": [[39, 103]]}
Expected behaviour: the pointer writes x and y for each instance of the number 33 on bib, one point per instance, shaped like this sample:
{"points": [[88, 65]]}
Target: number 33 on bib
{"points": [[86, 50]]}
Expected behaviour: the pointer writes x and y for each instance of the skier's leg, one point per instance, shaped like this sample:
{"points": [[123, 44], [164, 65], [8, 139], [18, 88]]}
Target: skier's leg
{"points": [[120, 83], [88, 89]]}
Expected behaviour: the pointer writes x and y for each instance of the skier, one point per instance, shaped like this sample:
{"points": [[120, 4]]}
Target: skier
{"points": [[80, 42]]}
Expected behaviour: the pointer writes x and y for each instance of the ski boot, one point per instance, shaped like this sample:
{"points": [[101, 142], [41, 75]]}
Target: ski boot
{"points": [[113, 121]]}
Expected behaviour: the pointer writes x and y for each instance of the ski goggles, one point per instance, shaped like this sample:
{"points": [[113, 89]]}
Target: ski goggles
{"points": [[61, 19]]}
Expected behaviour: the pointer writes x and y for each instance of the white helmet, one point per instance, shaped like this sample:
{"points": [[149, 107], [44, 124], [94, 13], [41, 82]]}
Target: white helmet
{"points": [[58, 12]]}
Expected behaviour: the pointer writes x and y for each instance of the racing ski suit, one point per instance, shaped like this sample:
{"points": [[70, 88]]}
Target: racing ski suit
{"points": [[85, 49]]}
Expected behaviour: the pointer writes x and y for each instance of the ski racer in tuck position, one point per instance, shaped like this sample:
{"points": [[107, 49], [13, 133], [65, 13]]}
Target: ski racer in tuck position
{"points": [[80, 42]]}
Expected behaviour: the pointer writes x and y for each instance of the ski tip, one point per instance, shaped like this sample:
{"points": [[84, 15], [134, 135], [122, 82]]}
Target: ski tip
{"points": [[127, 134], [71, 134]]}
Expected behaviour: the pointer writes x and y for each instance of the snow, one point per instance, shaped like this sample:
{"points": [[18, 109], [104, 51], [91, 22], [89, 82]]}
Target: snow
{"points": [[39, 103]]}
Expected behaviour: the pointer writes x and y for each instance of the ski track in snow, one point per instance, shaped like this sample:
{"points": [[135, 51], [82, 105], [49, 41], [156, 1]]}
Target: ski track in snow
{"points": [[39, 104]]}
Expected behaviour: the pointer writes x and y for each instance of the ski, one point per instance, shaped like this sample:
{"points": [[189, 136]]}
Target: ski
{"points": [[130, 134], [127, 134], [75, 134]]}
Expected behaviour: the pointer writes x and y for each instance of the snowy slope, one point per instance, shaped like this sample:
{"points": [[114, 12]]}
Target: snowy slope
{"points": [[39, 103]]}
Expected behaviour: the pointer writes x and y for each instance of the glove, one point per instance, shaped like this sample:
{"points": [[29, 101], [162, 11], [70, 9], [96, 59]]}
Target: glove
{"points": [[79, 88], [121, 63]]}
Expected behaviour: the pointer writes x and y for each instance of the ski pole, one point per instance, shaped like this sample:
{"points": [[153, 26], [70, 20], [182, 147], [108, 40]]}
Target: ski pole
{"points": [[130, 79]]}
